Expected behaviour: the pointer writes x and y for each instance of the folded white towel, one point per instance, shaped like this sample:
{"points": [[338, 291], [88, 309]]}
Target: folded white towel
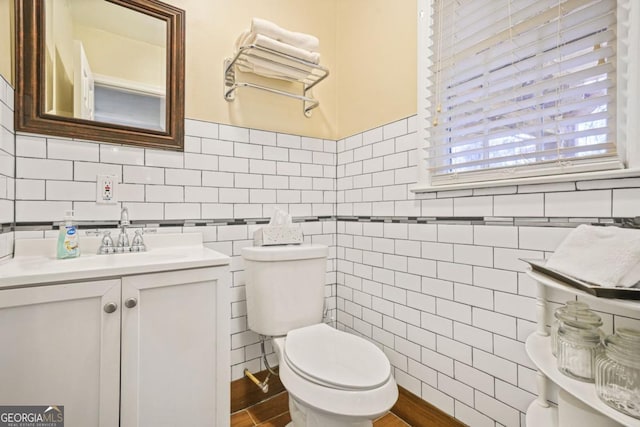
{"points": [[299, 40], [266, 68], [248, 37], [605, 256], [267, 64]]}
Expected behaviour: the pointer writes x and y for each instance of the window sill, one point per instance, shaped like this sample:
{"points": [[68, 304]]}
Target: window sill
{"points": [[547, 179]]}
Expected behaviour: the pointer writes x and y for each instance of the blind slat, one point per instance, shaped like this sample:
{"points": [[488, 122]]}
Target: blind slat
{"points": [[531, 63], [523, 143], [470, 103], [537, 169], [525, 136], [535, 22], [511, 114], [533, 44], [559, 117], [581, 77], [571, 18], [523, 158]]}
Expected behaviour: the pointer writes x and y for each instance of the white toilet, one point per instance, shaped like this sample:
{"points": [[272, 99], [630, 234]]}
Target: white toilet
{"points": [[334, 379]]}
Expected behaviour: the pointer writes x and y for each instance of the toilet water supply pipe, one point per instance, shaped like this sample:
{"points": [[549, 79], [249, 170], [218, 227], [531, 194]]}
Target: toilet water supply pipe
{"points": [[262, 385]]}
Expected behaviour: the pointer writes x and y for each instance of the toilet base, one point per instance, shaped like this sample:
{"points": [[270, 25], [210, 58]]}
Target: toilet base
{"points": [[303, 416]]}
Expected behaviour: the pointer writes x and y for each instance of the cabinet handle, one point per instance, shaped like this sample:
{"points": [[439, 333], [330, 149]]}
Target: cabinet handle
{"points": [[131, 302], [110, 307]]}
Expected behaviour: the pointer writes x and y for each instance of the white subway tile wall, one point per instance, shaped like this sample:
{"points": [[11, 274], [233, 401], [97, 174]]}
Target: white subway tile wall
{"points": [[157, 185], [447, 300], [7, 170]]}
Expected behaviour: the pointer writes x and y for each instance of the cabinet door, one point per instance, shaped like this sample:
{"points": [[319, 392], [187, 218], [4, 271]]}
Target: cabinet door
{"points": [[170, 367], [60, 347]]}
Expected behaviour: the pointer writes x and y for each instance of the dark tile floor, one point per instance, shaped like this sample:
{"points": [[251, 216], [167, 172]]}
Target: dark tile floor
{"points": [[274, 412]]}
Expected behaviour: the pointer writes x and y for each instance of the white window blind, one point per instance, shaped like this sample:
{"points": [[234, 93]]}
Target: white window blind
{"points": [[521, 88]]}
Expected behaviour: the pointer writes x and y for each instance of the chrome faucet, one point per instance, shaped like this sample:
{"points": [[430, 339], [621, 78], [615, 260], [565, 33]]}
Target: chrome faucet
{"points": [[124, 216], [122, 244], [123, 239]]}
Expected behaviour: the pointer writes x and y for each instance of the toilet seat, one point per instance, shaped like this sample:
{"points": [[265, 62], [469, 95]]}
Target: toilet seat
{"points": [[336, 359], [319, 394]]}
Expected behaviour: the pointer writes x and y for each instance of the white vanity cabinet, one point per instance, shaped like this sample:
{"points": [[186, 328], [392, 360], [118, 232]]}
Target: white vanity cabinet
{"points": [[171, 369], [579, 404], [135, 350], [59, 347]]}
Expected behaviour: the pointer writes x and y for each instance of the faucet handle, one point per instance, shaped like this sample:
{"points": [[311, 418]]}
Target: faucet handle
{"points": [[137, 238], [137, 244], [106, 245], [106, 239]]}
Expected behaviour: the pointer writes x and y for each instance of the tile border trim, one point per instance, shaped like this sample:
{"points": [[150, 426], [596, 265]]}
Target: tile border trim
{"points": [[493, 221]]}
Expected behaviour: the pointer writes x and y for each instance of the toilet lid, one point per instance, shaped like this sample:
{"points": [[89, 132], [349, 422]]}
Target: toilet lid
{"points": [[334, 358]]}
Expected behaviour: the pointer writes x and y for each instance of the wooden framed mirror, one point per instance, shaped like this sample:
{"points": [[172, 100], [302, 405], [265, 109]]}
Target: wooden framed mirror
{"points": [[101, 70]]}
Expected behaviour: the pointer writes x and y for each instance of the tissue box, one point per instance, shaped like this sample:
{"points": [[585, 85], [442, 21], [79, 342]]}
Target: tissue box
{"points": [[278, 235]]}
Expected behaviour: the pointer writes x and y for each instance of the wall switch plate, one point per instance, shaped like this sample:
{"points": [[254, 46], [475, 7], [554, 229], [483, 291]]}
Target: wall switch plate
{"points": [[106, 189]]}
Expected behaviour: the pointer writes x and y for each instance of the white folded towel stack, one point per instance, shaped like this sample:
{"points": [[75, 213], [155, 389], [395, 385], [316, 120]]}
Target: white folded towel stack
{"points": [[264, 67], [605, 256], [300, 40], [268, 35], [249, 37]]}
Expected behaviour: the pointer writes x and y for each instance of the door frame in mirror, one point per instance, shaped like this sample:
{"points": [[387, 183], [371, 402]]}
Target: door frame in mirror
{"points": [[30, 82]]}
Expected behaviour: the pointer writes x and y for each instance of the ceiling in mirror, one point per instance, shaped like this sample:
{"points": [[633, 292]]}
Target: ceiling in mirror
{"points": [[106, 63], [104, 70]]}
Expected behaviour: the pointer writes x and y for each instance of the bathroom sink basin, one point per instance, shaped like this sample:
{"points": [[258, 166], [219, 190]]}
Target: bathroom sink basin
{"points": [[35, 262]]}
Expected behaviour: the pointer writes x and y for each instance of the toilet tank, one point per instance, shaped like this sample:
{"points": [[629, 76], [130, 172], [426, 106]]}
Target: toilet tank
{"points": [[284, 286]]}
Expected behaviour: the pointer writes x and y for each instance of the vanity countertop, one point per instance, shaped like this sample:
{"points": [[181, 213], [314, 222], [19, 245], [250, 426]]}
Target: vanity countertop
{"points": [[35, 263]]}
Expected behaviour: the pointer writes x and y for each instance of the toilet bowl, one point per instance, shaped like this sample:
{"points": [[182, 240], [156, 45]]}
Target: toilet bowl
{"points": [[334, 378]]}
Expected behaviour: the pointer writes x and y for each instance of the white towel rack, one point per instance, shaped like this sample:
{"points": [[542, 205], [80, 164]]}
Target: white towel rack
{"points": [[314, 74]]}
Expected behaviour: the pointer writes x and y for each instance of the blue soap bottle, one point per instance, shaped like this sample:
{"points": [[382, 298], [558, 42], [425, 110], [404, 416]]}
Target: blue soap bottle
{"points": [[68, 240]]}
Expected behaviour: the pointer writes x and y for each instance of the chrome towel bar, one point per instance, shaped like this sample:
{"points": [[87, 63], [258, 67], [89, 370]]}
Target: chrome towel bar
{"points": [[295, 70]]}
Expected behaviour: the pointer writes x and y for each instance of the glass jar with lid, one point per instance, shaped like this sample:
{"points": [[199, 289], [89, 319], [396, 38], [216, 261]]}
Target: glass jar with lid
{"points": [[618, 371], [578, 346], [576, 311]]}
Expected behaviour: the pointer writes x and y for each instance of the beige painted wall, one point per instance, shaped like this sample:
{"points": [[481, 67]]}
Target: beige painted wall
{"points": [[377, 63], [368, 45]]}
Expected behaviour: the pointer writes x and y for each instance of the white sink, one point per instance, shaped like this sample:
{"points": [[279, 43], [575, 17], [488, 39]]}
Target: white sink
{"points": [[35, 262]]}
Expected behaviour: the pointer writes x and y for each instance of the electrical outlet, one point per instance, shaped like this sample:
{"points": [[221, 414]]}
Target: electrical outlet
{"points": [[106, 189]]}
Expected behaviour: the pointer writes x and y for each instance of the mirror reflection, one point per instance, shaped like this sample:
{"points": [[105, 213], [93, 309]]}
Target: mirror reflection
{"points": [[105, 62]]}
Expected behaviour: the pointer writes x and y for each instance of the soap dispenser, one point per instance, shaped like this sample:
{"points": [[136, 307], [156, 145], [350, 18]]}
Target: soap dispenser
{"points": [[68, 245]]}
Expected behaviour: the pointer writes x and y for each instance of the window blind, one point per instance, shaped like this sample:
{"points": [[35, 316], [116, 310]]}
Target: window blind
{"points": [[521, 88]]}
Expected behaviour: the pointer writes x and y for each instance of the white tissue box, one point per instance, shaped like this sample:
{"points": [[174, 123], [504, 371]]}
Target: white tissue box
{"points": [[278, 235]]}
